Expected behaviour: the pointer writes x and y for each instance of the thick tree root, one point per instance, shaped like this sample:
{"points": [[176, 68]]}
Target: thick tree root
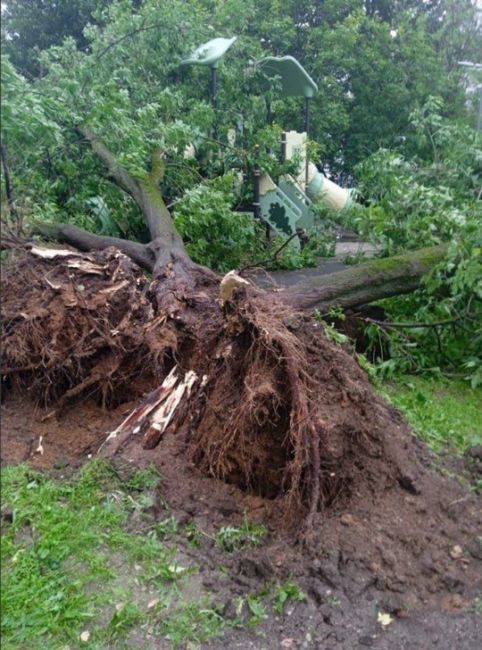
{"points": [[76, 325]]}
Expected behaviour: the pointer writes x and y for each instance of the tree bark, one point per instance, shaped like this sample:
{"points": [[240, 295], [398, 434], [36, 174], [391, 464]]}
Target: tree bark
{"points": [[380, 278], [142, 254], [178, 275], [350, 288], [165, 239]]}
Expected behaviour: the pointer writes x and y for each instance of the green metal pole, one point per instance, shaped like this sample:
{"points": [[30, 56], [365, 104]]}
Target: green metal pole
{"points": [[214, 87], [307, 127]]}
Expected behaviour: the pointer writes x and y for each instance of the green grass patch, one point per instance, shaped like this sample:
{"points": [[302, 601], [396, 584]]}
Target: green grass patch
{"points": [[72, 565], [273, 598], [232, 538], [285, 592], [194, 622], [446, 413]]}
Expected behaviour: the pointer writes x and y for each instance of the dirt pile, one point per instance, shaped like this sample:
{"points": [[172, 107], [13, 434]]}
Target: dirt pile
{"points": [[416, 557]]}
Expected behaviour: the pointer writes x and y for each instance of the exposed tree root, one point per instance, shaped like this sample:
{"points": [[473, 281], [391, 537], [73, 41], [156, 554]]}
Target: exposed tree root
{"points": [[255, 392], [80, 324]]}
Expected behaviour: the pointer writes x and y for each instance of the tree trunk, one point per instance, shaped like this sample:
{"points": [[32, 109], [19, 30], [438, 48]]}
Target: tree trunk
{"points": [[380, 278], [166, 243], [377, 279], [142, 254], [165, 256]]}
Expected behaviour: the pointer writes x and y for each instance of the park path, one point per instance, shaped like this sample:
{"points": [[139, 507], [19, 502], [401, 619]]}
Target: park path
{"points": [[325, 266]]}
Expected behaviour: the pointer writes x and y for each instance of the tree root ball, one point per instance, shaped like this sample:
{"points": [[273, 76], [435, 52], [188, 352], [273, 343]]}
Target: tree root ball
{"points": [[279, 410]]}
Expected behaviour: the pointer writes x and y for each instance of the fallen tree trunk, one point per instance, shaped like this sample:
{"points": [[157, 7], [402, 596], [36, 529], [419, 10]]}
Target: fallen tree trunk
{"points": [[180, 281], [249, 393], [246, 389], [380, 278], [377, 279]]}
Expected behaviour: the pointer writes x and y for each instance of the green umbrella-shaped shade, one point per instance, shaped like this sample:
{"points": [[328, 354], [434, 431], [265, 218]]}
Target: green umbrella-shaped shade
{"points": [[295, 81], [210, 53]]}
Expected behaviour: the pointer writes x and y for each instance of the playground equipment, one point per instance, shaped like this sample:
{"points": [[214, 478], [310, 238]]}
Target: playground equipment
{"points": [[210, 55], [286, 205]]}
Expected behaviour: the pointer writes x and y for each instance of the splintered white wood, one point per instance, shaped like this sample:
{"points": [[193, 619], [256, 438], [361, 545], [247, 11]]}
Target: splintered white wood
{"points": [[163, 415], [135, 419]]}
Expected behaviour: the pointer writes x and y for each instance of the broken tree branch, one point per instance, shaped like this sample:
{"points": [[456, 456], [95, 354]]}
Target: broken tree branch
{"points": [[86, 241], [154, 414]]}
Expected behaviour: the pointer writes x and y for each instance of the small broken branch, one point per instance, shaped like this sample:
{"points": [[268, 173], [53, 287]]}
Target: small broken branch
{"points": [[394, 325], [154, 414], [273, 257]]}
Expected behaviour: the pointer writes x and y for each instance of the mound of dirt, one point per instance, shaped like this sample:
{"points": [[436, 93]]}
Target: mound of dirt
{"points": [[414, 556]]}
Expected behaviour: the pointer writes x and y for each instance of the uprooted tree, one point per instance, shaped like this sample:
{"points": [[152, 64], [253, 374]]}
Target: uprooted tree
{"points": [[247, 382], [252, 387]]}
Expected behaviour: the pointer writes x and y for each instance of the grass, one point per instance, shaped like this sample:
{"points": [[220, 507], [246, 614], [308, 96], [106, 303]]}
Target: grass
{"points": [[194, 621], [273, 597], [72, 569], [84, 565], [285, 592], [447, 414], [232, 538]]}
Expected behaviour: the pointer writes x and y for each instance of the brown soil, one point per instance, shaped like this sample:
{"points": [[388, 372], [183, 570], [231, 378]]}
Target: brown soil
{"points": [[390, 551], [286, 429]]}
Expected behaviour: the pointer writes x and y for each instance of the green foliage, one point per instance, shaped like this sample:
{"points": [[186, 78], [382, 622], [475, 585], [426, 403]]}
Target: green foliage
{"points": [[145, 479], [320, 244], [232, 538], [287, 591], [169, 526], [193, 534], [123, 620], [328, 322], [275, 595], [118, 71], [430, 198], [24, 115], [257, 610], [34, 26], [193, 622], [215, 235]]}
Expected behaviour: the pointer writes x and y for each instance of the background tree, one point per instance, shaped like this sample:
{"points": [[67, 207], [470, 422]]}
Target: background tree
{"points": [[29, 27]]}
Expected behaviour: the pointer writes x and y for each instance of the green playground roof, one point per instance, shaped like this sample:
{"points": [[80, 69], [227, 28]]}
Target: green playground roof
{"points": [[295, 81]]}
